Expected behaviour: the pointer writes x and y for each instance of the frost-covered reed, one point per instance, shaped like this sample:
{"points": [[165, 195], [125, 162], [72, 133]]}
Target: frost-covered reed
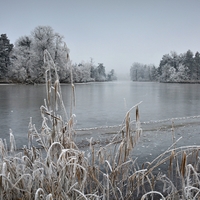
{"points": [[60, 170]]}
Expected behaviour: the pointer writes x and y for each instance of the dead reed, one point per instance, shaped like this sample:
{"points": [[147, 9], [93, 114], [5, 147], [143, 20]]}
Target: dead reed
{"points": [[60, 170]]}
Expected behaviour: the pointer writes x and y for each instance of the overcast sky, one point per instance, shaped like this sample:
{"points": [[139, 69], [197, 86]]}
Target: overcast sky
{"points": [[114, 32]]}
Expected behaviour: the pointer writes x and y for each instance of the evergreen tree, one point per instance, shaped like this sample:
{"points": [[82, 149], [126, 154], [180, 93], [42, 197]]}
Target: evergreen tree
{"points": [[197, 65], [100, 73], [154, 73], [189, 63], [5, 49], [166, 60], [172, 59], [175, 60]]}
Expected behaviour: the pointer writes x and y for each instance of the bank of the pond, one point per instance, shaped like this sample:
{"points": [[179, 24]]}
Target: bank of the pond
{"points": [[182, 82], [155, 139]]}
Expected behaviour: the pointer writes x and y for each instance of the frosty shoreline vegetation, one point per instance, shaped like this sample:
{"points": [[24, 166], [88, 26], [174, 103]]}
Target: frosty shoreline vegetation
{"points": [[109, 172]]}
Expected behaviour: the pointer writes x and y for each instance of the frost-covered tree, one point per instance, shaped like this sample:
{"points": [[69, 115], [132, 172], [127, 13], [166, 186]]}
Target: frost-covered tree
{"points": [[172, 59], [82, 72], [134, 71], [92, 69], [111, 76], [23, 60], [175, 60], [100, 73], [187, 67], [170, 74], [172, 68], [140, 72], [60, 56], [28, 65], [44, 37], [178, 75], [88, 72], [5, 50], [166, 72], [182, 74], [154, 73]]}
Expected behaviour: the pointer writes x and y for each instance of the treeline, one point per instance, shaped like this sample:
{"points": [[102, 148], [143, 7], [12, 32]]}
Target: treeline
{"points": [[172, 68], [140, 72], [23, 62]]}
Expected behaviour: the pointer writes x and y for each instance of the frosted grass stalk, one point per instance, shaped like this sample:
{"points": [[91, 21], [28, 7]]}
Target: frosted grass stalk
{"points": [[39, 194], [49, 197], [3, 151], [152, 192], [4, 173], [12, 142]]}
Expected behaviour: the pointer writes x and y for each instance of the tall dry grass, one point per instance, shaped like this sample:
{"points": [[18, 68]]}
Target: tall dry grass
{"points": [[60, 170]]}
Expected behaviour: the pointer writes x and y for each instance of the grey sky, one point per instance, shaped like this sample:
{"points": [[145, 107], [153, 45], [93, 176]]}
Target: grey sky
{"points": [[114, 32]]}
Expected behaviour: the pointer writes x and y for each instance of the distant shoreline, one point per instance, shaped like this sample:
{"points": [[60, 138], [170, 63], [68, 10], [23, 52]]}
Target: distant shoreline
{"points": [[10, 82], [182, 82], [3, 82]]}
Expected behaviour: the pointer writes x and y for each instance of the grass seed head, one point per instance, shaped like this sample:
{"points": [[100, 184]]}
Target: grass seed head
{"points": [[183, 164]]}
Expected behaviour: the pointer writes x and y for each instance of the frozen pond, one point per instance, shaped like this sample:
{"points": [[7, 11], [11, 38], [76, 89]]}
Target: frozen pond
{"points": [[98, 104]]}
